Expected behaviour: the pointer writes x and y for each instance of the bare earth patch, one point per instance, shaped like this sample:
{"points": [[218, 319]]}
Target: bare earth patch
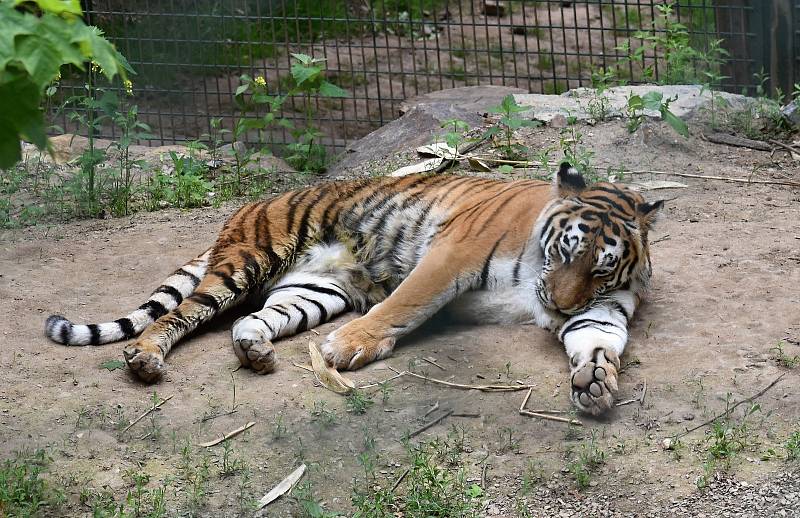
{"points": [[725, 292]]}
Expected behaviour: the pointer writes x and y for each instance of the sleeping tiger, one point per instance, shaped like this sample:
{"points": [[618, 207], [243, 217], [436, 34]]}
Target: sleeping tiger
{"points": [[571, 259]]}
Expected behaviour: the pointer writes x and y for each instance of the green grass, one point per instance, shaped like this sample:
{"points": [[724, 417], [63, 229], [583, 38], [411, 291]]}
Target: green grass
{"points": [[23, 490]]}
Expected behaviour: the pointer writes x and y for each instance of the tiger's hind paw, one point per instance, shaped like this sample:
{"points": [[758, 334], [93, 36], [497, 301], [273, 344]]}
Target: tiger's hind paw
{"points": [[148, 366], [258, 355], [594, 381]]}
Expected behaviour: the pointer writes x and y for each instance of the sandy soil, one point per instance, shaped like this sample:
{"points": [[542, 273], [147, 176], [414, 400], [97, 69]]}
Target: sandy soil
{"points": [[726, 260]]}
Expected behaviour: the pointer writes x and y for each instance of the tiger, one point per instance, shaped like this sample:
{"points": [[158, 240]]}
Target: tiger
{"points": [[568, 257]]}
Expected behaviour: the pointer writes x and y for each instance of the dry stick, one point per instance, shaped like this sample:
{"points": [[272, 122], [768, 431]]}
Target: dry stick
{"points": [[379, 383], [728, 411], [304, 367], [434, 363], [721, 178], [227, 436], [147, 413], [551, 417], [397, 482], [644, 393], [665, 237], [431, 410], [785, 146], [528, 413], [482, 388], [432, 423], [730, 140]]}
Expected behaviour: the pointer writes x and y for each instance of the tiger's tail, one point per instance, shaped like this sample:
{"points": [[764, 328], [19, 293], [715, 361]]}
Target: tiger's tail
{"points": [[166, 297]]}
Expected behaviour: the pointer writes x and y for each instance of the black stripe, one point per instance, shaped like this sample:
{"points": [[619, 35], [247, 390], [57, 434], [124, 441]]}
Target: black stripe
{"points": [[66, 331], [169, 290], [265, 323], [126, 326], [229, 283], [206, 300], [192, 277], [323, 313], [588, 322], [94, 330], [619, 307], [303, 324], [486, 264], [594, 327], [281, 312], [518, 264], [154, 309], [314, 288]]}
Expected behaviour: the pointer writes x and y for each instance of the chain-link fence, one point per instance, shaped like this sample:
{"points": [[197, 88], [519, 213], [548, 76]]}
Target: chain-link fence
{"points": [[189, 54]]}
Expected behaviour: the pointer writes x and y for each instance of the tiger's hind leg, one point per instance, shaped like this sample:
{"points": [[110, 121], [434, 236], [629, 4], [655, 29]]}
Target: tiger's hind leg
{"points": [[232, 273], [325, 283]]}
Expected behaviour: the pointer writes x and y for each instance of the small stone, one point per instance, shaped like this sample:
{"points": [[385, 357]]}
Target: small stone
{"points": [[494, 8], [688, 416], [558, 121]]}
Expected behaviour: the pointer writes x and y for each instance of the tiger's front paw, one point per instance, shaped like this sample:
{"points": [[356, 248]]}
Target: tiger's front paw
{"points": [[146, 364], [352, 346], [594, 381]]}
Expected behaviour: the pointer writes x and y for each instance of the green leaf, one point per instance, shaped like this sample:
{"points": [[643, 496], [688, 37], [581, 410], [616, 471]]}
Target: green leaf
{"points": [[635, 103], [505, 168], [327, 89], [474, 491], [302, 73], [113, 365], [652, 100], [675, 122], [241, 89], [56, 6]]}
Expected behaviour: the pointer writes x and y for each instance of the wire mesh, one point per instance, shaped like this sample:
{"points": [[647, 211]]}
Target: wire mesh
{"points": [[189, 54]]}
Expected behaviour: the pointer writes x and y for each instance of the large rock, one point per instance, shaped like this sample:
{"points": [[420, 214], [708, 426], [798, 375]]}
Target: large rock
{"points": [[421, 120], [690, 98]]}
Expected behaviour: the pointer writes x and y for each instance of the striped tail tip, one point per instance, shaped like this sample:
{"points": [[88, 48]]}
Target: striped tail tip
{"points": [[58, 329]]}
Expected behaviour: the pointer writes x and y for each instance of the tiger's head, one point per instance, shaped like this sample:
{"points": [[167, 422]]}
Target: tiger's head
{"points": [[593, 241]]}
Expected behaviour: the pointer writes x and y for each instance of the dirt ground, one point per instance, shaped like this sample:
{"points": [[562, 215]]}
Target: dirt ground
{"points": [[726, 262]]}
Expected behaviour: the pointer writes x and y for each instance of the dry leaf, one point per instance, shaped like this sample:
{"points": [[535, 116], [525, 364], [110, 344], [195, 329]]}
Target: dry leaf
{"points": [[327, 376], [478, 165], [439, 149], [282, 488], [422, 167], [652, 185]]}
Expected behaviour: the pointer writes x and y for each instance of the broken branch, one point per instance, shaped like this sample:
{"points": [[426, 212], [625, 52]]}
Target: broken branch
{"points": [[227, 436], [157, 405], [730, 410]]}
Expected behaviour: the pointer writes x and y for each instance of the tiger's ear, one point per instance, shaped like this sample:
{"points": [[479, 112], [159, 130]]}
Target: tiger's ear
{"points": [[568, 181], [648, 212]]}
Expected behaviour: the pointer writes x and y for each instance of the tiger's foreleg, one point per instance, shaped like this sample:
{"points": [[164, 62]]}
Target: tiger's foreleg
{"points": [[594, 341], [443, 273], [230, 276]]}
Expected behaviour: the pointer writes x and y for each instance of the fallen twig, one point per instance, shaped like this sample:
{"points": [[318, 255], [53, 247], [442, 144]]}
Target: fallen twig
{"points": [[482, 388], [548, 417], [282, 488], [431, 410], [302, 366], [728, 411], [227, 436], [730, 140], [428, 425], [644, 393], [467, 414], [432, 362], [379, 383], [787, 147], [665, 237], [399, 480], [214, 416], [157, 405], [720, 178]]}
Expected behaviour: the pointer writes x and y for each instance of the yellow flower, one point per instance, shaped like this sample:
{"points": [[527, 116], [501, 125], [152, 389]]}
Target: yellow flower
{"points": [[260, 81], [95, 67], [128, 86]]}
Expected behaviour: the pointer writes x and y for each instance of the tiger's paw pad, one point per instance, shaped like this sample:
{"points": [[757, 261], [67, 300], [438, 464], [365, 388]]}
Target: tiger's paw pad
{"points": [[594, 381], [148, 366], [346, 349], [258, 355]]}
